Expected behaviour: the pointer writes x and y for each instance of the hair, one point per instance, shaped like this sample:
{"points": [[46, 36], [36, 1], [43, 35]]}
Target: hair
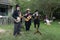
{"points": [[36, 10], [17, 5]]}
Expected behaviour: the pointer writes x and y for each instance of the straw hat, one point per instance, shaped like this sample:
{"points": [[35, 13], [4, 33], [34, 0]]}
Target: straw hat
{"points": [[28, 9]]}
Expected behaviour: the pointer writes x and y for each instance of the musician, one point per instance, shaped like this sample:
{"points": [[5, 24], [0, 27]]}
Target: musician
{"points": [[36, 18], [17, 18], [27, 19]]}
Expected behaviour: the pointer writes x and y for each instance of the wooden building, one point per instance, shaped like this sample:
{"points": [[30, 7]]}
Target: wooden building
{"points": [[6, 9]]}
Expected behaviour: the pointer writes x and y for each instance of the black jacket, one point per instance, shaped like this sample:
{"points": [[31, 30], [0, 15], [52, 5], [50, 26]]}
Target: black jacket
{"points": [[15, 14]]}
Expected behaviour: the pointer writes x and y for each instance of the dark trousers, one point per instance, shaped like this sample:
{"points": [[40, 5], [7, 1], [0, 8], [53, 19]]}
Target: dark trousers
{"points": [[17, 27], [27, 24], [36, 23]]}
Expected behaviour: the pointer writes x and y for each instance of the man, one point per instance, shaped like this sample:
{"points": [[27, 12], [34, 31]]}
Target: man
{"points": [[36, 18], [17, 20], [27, 19]]}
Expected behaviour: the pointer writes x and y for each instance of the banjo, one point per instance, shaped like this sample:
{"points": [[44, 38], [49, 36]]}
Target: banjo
{"points": [[18, 18]]}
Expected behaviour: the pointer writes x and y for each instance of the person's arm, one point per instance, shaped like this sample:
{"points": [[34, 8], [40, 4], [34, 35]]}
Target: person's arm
{"points": [[21, 16], [33, 15], [14, 16]]}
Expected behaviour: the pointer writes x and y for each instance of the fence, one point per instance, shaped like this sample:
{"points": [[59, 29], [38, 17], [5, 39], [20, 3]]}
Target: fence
{"points": [[5, 20]]}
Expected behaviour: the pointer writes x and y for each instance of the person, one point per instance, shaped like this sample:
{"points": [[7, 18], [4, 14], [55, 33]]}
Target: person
{"points": [[27, 19], [17, 20], [47, 20], [36, 18]]}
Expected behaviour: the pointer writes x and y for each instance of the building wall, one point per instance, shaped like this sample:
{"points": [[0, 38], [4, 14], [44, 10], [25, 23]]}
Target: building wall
{"points": [[8, 13]]}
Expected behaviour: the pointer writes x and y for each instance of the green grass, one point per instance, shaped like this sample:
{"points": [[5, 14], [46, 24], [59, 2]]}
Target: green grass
{"points": [[51, 32]]}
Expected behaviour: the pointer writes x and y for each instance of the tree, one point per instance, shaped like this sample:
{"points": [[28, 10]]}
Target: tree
{"points": [[44, 6]]}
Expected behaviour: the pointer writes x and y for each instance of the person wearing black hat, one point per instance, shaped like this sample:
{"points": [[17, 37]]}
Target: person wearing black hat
{"points": [[17, 20], [27, 19], [36, 17]]}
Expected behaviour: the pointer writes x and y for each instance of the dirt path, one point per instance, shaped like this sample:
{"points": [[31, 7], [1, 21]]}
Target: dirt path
{"points": [[2, 31]]}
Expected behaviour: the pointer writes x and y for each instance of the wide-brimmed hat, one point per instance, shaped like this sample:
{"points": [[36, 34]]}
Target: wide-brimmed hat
{"points": [[28, 9]]}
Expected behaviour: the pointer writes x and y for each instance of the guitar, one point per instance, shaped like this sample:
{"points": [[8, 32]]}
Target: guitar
{"points": [[28, 18]]}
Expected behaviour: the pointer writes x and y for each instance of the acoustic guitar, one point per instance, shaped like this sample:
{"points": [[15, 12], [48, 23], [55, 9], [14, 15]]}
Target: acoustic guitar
{"points": [[28, 18]]}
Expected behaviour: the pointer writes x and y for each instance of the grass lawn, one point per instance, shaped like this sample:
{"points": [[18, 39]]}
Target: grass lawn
{"points": [[51, 32]]}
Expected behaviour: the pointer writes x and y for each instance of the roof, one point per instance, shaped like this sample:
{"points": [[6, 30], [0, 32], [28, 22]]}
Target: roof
{"points": [[7, 2]]}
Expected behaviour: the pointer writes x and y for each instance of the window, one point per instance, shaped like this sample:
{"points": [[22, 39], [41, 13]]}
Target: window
{"points": [[3, 11]]}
